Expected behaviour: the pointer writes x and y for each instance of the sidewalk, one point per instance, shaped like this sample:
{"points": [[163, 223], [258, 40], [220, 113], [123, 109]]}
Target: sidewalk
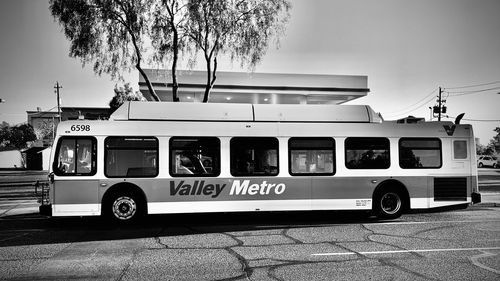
{"points": [[17, 192], [490, 199], [19, 207]]}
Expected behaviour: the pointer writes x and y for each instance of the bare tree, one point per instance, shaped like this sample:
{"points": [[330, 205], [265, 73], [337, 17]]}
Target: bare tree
{"points": [[240, 28], [168, 36]]}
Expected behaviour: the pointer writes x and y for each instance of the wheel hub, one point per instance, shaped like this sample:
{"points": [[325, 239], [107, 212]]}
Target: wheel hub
{"points": [[390, 203], [124, 208]]}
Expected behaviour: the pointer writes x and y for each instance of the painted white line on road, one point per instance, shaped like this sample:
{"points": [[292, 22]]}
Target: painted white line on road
{"points": [[428, 222], [405, 251]]}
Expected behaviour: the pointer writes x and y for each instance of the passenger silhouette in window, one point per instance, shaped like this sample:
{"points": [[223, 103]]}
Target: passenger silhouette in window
{"points": [[180, 167]]}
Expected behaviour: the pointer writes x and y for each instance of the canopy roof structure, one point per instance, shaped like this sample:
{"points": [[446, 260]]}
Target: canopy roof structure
{"points": [[258, 88]]}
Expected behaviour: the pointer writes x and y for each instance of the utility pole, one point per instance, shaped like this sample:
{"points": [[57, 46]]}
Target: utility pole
{"points": [[57, 87], [439, 102], [440, 108]]}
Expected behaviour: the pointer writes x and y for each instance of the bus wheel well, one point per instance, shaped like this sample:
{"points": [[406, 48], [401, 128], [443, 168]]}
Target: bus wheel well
{"points": [[392, 186], [121, 189]]}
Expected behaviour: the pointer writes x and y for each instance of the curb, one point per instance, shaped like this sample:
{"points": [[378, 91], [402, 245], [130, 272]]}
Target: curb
{"points": [[487, 204]]}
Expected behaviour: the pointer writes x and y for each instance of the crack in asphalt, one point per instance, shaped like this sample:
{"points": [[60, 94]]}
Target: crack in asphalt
{"points": [[126, 268], [485, 254], [404, 269], [373, 233], [284, 232], [158, 241], [247, 270], [432, 229]]}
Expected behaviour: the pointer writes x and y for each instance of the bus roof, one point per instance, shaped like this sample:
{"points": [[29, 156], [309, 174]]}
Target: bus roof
{"points": [[182, 111]]}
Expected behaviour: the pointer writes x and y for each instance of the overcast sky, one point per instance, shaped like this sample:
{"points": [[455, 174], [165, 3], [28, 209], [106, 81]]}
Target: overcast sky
{"points": [[407, 49]]}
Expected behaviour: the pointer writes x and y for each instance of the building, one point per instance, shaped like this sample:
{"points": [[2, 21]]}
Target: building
{"points": [[10, 158], [45, 122], [241, 87], [88, 113]]}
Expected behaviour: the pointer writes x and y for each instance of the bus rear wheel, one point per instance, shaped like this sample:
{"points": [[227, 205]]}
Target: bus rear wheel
{"points": [[388, 204]]}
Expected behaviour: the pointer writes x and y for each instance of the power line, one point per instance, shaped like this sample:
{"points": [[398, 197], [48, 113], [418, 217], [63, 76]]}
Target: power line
{"points": [[482, 120], [407, 109], [476, 120], [396, 113], [472, 86], [463, 93]]}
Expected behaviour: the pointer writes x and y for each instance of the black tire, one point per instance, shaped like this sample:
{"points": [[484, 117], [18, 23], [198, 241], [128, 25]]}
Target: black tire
{"points": [[125, 207], [388, 203], [495, 165], [480, 165]]}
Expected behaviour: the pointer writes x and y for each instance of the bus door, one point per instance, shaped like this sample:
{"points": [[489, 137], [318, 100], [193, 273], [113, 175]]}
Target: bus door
{"points": [[74, 166]]}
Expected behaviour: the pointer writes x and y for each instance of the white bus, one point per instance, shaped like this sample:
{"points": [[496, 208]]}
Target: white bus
{"points": [[160, 158]]}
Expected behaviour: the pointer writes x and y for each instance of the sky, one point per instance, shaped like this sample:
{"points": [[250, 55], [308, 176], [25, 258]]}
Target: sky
{"points": [[407, 49]]}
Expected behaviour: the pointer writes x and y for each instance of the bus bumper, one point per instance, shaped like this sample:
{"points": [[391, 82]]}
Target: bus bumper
{"points": [[45, 210], [476, 197]]}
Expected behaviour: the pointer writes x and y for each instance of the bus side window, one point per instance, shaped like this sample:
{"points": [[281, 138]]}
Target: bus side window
{"points": [[75, 156], [254, 156], [131, 157], [194, 156], [420, 153], [311, 156], [460, 149], [367, 153]]}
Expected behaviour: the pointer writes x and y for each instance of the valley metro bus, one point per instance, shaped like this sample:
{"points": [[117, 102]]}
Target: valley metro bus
{"points": [[160, 158]]}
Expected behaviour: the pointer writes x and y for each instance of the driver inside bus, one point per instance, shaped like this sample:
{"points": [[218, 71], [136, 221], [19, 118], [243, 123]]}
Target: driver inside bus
{"points": [[66, 160]]}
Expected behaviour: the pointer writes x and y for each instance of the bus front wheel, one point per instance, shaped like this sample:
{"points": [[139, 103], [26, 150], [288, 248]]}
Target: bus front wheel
{"points": [[125, 207], [388, 204]]}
